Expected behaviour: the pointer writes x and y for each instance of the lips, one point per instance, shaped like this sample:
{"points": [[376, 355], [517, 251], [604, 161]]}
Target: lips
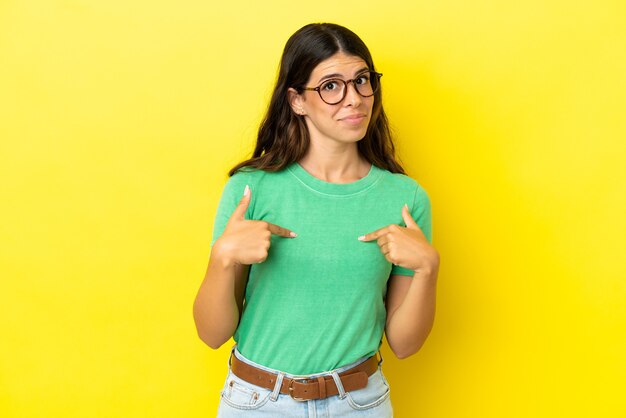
{"points": [[354, 119]]}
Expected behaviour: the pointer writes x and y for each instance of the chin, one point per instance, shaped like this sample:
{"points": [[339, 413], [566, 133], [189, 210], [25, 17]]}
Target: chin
{"points": [[359, 136]]}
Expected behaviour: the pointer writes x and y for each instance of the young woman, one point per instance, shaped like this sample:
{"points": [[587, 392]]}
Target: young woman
{"points": [[320, 244]]}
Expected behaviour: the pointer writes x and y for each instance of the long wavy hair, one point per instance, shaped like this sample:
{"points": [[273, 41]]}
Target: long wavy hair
{"points": [[283, 136]]}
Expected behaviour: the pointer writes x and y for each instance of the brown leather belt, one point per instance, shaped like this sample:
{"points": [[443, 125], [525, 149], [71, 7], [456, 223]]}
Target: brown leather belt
{"points": [[304, 389]]}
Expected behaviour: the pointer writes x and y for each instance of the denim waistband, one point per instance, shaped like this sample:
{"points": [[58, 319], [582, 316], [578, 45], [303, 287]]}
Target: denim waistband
{"points": [[235, 351]]}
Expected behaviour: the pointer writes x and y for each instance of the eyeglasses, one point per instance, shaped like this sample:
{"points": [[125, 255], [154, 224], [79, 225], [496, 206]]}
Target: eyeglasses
{"points": [[333, 91]]}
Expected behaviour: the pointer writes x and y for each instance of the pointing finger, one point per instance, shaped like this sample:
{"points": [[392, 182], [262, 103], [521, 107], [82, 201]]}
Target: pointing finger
{"points": [[373, 235], [280, 231]]}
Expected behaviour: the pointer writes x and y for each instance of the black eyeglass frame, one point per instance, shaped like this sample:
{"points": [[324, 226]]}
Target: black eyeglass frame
{"points": [[346, 82]]}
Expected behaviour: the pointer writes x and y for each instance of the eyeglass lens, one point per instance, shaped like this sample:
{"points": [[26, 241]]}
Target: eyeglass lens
{"points": [[333, 91]]}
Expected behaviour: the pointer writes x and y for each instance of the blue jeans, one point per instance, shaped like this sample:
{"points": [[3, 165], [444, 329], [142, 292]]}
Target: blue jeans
{"points": [[243, 399]]}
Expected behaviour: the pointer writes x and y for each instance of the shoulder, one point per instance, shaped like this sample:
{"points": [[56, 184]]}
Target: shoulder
{"points": [[410, 188], [256, 179], [257, 173], [246, 175], [401, 181]]}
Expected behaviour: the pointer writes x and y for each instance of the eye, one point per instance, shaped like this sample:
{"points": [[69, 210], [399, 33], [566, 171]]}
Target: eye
{"points": [[363, 79], [330, 85]]}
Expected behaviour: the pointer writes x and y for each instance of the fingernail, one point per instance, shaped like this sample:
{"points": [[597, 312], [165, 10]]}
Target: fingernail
{"points": [[293, 234], [406, 206], [362, 237], [246, 191]]}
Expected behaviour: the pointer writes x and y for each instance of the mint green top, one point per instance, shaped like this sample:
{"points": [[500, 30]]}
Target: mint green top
{"points": [[317, 302]]}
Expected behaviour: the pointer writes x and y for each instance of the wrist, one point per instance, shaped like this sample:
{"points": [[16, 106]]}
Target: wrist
{"points": [[430, 261], [425, 275], [222, 255], [428, 271]]}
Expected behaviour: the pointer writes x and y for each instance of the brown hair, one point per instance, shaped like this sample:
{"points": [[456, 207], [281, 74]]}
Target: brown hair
{"points": [[283, 136]]}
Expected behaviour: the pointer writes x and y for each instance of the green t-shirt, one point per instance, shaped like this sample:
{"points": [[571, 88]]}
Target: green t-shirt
{"points": [[317, 302]]}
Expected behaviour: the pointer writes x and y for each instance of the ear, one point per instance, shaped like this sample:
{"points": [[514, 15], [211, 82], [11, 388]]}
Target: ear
{"points": [[295, 101]]}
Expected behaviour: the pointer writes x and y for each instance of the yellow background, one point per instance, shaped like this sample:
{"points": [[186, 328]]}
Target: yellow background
{"points": [[119, 120]]}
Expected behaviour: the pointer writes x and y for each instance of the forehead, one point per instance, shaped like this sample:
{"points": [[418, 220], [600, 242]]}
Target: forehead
{"points": [[340, 64]]}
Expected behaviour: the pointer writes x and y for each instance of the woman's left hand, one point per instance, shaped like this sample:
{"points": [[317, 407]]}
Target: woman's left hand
{"points": [[405, 247]]}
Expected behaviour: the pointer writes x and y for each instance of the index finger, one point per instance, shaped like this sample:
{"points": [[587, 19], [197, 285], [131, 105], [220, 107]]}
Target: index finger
{"points": [[279, 230], [373, 235]]}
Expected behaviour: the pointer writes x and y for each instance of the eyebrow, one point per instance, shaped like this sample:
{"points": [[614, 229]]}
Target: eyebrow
{"points": [[337, 75]]}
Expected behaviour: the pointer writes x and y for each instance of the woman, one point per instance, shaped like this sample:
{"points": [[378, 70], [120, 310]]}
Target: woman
{"points": [[312, 264]]}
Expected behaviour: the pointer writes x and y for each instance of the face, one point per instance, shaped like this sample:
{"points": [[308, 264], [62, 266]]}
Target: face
{"points": [[344, 122]]}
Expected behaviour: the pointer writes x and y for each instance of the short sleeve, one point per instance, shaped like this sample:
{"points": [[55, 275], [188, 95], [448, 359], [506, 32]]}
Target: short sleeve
{"points": [[421, 212], [231, 196]]}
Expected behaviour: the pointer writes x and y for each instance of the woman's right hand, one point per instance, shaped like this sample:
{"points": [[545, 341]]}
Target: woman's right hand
{"points": [[246, 241]]}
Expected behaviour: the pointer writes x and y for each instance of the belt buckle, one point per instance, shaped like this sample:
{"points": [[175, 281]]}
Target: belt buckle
{"points": [[301, 380]]}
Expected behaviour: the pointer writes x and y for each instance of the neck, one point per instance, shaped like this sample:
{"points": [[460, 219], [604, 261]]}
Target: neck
{"points": [[338, 164]]}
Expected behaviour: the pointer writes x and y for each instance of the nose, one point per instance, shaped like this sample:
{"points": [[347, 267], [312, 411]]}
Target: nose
{"points": [[353, 98]]}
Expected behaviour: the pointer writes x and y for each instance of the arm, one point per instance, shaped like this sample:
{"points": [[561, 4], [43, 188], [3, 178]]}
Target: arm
{"points": [[410, 311], [219, 302], [411, 289]]}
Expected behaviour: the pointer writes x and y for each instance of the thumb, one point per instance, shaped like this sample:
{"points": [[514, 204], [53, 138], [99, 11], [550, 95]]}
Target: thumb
{"points": [[240, 211], [408, 219]]}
